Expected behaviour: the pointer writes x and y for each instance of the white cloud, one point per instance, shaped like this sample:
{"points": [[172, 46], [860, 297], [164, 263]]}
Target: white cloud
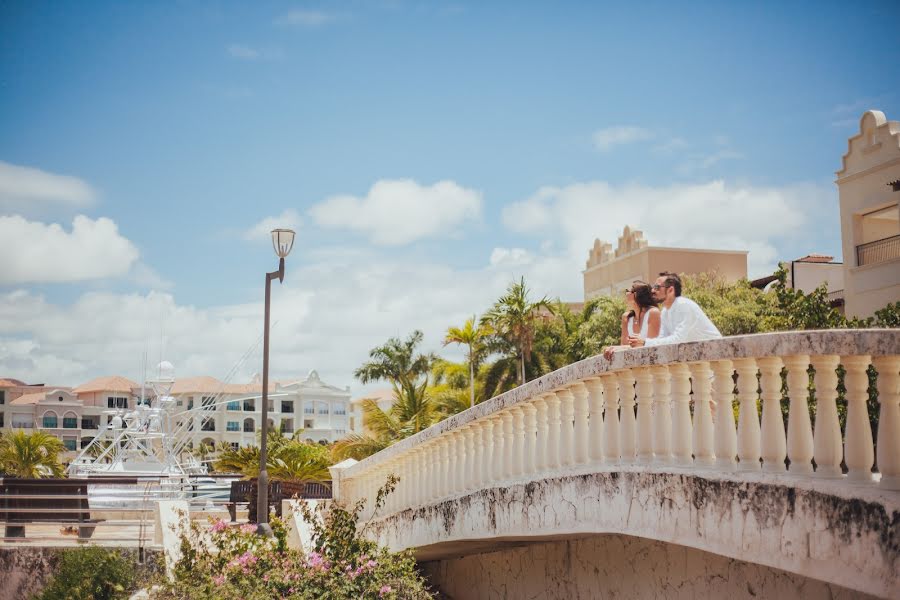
{"points": [[42, 340], [289, 219], [306, 18], [606, 139], [397, 212], [21, 188], [711, 215], [31, 251], [511, 257], [244, 52], [694, 163]]}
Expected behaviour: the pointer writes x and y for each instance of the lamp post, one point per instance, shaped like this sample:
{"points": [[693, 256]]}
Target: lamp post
{"points": [[282, 241]]}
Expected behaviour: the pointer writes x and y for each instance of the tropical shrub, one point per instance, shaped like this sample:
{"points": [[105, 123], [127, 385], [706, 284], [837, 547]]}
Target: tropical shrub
{"points": [[226, 562], [31, 455], [91, 574]]}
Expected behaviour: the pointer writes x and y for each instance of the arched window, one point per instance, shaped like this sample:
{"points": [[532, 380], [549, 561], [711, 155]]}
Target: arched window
{"points": [[70, 420], [50, 421], [249, 425]]}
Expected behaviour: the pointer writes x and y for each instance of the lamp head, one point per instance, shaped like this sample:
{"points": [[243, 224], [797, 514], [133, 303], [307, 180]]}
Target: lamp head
{"points": [[282, 241]]}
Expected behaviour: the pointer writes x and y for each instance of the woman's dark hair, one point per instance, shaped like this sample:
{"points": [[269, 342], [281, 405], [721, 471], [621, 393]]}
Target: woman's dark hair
{"points": [[643, 296]]}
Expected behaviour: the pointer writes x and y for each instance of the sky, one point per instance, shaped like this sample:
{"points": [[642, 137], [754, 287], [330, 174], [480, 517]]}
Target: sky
{"points": [[426, 153]]}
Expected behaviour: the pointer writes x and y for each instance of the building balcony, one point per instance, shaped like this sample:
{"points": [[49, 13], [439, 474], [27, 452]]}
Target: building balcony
{"points": [[878, 251]]}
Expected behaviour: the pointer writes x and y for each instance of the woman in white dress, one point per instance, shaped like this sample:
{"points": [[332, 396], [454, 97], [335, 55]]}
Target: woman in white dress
{"points": [[641, 319]]}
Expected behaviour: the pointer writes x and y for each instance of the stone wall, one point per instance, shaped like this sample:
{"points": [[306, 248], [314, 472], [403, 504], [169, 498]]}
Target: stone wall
{"points": [[25, 571], [618, 566]]}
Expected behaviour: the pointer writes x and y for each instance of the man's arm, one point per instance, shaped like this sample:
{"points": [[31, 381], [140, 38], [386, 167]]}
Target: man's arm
{"points": [[686, 321]]}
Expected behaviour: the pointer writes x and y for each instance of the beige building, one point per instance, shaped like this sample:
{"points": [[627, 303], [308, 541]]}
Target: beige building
{"points": [[608, 272], [870, 217]]}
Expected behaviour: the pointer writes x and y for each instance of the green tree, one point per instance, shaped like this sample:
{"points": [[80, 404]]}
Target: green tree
{"points": [[31, 455], [513, 319], [473, 337], [288, 459]]}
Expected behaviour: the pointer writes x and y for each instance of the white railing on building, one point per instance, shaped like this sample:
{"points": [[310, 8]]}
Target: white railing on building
{"points": [[657, 408]]}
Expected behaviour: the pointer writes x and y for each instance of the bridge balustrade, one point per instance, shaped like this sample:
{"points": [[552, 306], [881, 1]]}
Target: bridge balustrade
{"points": [[665, 408]]}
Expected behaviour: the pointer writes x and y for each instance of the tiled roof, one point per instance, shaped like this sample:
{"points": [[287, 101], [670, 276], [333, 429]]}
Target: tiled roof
{"points": [[33, 398], [113, 383], [10, 382], [197, 385]]}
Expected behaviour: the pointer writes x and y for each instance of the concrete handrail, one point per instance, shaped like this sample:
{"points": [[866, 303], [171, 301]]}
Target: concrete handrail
{"points": [[584, 414]]}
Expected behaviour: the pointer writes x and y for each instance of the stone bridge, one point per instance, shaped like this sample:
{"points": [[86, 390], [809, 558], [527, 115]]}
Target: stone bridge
{"points": [[632, 478]]}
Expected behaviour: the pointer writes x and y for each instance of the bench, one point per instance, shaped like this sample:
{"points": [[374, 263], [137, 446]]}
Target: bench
{"points": [[24, 501], [245, 492]]}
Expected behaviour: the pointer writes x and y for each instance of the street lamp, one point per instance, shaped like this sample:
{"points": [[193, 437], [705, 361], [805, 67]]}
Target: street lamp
{"points": [[282, 241]]}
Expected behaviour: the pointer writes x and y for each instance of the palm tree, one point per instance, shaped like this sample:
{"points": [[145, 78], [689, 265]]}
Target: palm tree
{"points": [[407, 371], [31, 455], [473, 337], [512, 317], [289, 459]]}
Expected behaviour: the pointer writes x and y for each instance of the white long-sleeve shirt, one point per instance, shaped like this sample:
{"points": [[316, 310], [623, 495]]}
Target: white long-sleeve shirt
{"points": [[684, 321]]}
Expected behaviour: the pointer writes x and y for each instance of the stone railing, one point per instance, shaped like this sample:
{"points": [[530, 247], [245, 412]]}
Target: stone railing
{"points": [[663, 408]]}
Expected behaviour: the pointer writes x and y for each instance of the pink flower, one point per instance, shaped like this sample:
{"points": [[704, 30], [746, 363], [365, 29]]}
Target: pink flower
{"points": [[219, 525], [219, 579], [248, 528], [372, 564], [385, 589]]}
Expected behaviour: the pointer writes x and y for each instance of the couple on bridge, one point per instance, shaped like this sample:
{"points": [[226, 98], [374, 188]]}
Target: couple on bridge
{"points": [[644, 324]]}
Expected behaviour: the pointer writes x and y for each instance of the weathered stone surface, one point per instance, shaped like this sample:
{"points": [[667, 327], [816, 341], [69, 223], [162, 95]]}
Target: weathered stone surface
{"points": [[25, 571], [618, 566], [823, 530], [871, 342]]}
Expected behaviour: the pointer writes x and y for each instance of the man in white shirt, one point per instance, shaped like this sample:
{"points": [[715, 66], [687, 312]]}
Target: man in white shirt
{"points": [[682, 320]]}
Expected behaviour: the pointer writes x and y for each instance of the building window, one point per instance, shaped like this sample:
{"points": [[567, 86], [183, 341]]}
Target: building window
{"points": [[309, 409], [70, 422], [287, 407], [208, 425], [87, 423], [340, 410], [1, 418], [233, 426], [249, 426], [49, 421], [235, 446], [117, 402], [70, 443], [208, 402], [249, 405], [323, 409], [235, 405], [2, 396]]}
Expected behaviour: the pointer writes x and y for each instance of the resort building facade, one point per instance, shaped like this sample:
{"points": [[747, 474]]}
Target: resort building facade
{"points": [[219, 412], [869, 189], [609, 271]]}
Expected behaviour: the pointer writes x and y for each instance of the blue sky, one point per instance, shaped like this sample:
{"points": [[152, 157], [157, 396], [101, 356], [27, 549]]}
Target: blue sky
{"points": [[427, 153]]}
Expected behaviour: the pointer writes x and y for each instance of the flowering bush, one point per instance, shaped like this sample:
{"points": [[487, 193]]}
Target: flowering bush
{"points": [[227, 561]]}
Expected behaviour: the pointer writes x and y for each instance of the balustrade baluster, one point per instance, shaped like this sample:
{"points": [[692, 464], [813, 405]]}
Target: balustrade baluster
{"points": [[748, 418], [553, 426], [566, 428], [774, 441], [459, 484], [888, 368], [497, 441], [828, 447], [542, 430], [627, 424], [611, 448], [662, 414], [487, 458], [799, 430], [703, 425], [682, 445], [529, 465], [518, 440], [858, 452], [644, 398], [507, 419], [725, 434], [407, 482], [478, 456], [595, 426], [580, 415], [469, 468], [445, 486]]}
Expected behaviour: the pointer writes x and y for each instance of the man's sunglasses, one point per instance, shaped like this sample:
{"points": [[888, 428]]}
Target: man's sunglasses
{"points": [[656, 286]]}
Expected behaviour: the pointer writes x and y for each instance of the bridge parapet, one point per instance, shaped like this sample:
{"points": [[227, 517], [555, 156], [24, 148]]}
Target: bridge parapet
{"points": [[637, 410]]}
